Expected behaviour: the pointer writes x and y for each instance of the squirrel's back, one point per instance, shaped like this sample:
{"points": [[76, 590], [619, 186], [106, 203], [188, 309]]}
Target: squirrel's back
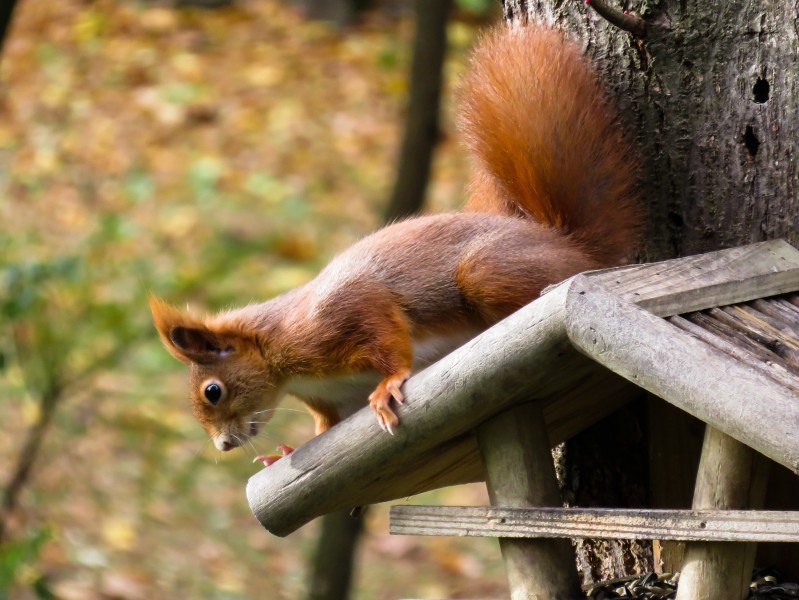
{"points": [[547, 141]]}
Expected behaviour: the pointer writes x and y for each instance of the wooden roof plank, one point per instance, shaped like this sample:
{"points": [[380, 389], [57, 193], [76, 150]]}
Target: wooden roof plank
{"points": [[774, 336], [714, 279], [713, 323], [729, 346], [780, 315]]}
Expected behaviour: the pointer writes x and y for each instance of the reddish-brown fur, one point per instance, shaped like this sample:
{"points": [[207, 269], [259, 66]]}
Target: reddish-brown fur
{"points": [[552, 195]]}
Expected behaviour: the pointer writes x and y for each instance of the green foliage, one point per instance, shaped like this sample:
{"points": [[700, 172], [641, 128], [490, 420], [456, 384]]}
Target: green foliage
{"points": [[478, 7], [20, 555]]}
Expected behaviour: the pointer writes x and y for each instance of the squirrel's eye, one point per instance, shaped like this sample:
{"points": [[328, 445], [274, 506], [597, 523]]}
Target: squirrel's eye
{"points": [[213, 392]]}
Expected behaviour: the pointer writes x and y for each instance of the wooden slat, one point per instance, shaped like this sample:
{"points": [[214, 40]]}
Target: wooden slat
{"points": [[775, 315], [753, 323], [607, 523], [737, 350], [778, 316], [715, 279]]}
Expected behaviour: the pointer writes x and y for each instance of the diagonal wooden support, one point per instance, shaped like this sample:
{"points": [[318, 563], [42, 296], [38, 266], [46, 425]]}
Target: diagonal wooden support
{"points": [[519, 472]]}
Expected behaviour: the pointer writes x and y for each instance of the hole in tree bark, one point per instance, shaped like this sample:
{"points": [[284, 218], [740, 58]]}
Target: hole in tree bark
{"points": [[761, 90], [675, 220], [750, 141]]}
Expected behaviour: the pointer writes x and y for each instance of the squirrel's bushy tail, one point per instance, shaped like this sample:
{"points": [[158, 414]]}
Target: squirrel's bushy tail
{"points": [[547, 141]]}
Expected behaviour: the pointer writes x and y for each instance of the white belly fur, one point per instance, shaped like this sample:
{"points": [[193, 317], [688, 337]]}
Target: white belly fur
{"points": [[348, 393]]}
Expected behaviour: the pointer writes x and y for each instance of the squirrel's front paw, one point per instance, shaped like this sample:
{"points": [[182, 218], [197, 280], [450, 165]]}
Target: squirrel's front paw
{"points": [[269, 459], [380, 400]]}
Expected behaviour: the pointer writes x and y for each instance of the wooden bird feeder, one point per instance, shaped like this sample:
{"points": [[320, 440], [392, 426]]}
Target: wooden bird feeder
{"points": [[715, 335]]}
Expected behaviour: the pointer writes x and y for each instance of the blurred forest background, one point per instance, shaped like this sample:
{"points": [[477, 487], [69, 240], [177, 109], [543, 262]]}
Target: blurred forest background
{"points": [[214, 157]]}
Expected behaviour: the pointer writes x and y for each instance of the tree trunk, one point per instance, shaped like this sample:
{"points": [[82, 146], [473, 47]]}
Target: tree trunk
{"points": [[710, 95], [6, 10], [421, 124], [334, 557]]}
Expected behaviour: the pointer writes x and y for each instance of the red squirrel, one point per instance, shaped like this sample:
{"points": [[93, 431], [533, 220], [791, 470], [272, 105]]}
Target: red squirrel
{"points": [[553, 193]]}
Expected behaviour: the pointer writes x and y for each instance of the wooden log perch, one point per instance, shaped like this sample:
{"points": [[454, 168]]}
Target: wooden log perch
{"points": [[443, 404]]}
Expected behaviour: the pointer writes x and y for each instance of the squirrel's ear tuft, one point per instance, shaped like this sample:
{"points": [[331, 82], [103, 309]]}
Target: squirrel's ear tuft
{"points": [[186, 336]]}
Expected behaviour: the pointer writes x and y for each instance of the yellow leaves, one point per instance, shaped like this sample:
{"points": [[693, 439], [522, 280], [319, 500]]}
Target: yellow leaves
{"points": [[30, 413], [89, 26], [153, 102], [216, 156], [7, 137], [264, 75], [158, 20], [118, 533], [179, 222], [187, 65]]}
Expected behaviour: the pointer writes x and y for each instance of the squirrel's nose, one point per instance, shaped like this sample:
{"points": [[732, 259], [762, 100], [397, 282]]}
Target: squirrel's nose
{"points": [[224, 443]]}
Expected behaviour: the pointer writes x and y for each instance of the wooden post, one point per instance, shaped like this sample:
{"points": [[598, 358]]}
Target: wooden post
{"points": [[731, 476], [519, 472], [674, 470]]}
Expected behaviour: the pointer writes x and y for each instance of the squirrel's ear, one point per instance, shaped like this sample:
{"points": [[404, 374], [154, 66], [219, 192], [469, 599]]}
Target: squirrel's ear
{"points": [[185, 336]]}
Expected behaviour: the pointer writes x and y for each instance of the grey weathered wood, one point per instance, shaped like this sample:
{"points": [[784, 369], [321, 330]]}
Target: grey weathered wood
{"points": [[730, 476], [605, 523], [706, 280], [684, 371], [519, 472], [752, 322], [780, 315], [738, 349]]}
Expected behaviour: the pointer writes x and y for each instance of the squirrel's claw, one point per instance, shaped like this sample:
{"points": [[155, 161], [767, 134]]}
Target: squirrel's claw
{"points": [[270, 459], [380, 400]]}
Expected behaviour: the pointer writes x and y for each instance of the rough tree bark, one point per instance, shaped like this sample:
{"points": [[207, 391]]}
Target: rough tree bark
{"points": [[710, 95]]}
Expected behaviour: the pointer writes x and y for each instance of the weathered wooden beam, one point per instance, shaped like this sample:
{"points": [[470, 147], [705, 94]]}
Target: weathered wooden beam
{"points": [[355, 462], [603, 523], [684, 371], [520, 472], [706, 280], [730, 476]]}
